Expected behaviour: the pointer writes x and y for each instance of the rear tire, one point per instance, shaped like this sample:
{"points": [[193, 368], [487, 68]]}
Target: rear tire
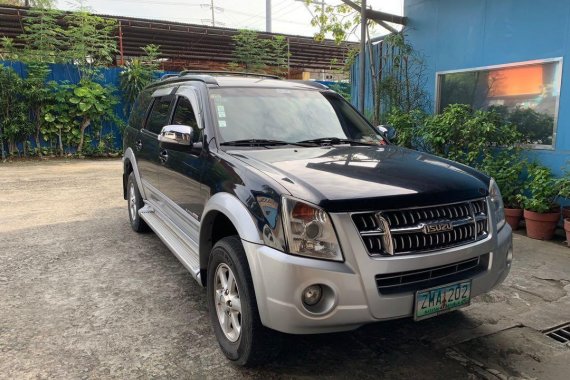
{"points": [[233, 307], [135, 203]]}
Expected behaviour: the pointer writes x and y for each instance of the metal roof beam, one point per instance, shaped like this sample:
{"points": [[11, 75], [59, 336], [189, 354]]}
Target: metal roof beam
{"points": [[378, 16]]}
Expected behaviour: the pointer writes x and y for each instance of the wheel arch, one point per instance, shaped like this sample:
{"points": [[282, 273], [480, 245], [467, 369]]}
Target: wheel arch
{"points": [[224, 215], [130, 165]]}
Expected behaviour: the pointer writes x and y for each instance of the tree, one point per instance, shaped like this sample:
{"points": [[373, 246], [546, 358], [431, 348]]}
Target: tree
{"points": [[397, 73], [137, 74], [14, 121], [255, 53], [90, 40]]}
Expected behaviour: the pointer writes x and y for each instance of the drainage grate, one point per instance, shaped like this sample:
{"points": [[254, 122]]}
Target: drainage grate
{"points": [[560, 334]]}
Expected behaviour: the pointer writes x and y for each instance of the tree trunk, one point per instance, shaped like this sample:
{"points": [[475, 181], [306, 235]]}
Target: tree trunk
{"points": [[38, 131], [84, 125], [60, 143]]}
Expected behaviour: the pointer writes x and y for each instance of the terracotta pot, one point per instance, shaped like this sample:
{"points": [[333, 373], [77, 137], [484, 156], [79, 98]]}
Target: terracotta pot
{"points": [[513, 217], [541, 226], [566, 212], [567, 229]]}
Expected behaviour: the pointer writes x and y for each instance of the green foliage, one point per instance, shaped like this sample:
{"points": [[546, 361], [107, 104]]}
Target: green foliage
{"points": [[43, 38], [93, 105], [14, 121], [138, 73], [541, 190], [256, 54], [462, 134], [408, 126], [90, 41], [563, 185], [508, 169], [339, 21]]}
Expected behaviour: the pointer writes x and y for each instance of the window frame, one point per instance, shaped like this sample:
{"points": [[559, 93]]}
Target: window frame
{"points": [[557, 81], [177, 99], [169, 113]]}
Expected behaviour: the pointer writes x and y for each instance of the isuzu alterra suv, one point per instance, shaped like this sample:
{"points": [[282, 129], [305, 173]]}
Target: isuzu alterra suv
{"points": [[299, 216]]}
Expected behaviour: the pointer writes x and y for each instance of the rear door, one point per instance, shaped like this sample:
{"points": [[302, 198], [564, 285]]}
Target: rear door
{"points": [[181, 171], [147, 143]]}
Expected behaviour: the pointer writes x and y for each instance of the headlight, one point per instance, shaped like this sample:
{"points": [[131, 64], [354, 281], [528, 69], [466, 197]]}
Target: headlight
{"points": [[497, 204], [309, 231]]}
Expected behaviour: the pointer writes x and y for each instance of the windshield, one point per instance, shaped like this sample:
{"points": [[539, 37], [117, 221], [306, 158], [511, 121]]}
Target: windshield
{"points": [[287, 115]]}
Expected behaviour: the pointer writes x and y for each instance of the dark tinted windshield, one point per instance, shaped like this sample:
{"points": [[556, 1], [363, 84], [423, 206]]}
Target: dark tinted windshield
{"points": [[287, 115]]}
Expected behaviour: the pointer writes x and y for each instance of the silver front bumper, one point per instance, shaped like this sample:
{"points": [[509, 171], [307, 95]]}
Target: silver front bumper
{"points": [[279, 280]]}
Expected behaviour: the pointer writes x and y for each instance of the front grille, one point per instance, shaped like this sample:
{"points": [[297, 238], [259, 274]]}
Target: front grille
{"points": [[391, 283], [422, 229]]}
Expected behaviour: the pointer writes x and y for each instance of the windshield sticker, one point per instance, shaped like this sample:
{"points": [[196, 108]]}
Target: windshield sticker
{"points": [[221, 111], [222, 123]]}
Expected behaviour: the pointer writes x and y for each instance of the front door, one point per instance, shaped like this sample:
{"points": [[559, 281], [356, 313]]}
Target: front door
{"points": [[181, 171]]}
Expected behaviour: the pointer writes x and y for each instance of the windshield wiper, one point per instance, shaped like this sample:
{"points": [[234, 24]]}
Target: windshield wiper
{"points": [[259, 142], [335, 141]]}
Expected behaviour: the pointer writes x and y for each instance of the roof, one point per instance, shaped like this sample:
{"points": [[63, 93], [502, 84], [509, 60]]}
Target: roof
{"points": [[193, 45]]}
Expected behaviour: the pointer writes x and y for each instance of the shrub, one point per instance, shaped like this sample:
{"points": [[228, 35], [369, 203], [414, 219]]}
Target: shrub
{"points": [[467, 136], [541, 190]]}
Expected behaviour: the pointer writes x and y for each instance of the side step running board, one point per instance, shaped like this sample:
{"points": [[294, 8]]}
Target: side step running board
{"points": [[182, 246]]}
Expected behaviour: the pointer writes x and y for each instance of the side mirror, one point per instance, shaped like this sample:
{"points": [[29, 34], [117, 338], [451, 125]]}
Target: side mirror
{"points": [[388, 131], [176, 137]]}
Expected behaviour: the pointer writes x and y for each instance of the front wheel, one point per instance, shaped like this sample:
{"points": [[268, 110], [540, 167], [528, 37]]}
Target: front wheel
{"points": [[233, 308]]}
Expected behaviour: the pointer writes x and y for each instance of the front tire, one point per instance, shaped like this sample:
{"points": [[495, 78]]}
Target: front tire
{"points": [[233, 307], [135, 203]]}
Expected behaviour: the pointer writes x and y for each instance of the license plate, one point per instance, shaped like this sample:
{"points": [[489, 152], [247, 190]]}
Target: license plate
{"points": [[441, 299]]}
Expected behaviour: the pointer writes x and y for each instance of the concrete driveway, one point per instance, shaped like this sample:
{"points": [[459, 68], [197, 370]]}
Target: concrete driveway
{"points": [[82, 296]]}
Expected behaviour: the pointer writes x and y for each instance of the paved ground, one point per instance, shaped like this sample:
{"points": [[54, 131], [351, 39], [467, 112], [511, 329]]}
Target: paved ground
{"points": [[82, 296]]}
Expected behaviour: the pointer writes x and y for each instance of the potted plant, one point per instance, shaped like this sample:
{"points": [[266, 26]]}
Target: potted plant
{"points": [[508, 170], [564, 192], [563, 185], [541, 213]]}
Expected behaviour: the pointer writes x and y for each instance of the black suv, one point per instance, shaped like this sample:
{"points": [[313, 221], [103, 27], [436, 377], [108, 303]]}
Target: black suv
{"points": [[299, 216]]}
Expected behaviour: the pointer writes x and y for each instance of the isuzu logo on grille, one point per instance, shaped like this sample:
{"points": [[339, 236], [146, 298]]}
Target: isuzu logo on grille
{"points": [[437, 227]]}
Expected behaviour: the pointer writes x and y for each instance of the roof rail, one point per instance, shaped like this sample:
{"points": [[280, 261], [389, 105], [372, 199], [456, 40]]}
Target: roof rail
{"points": [[228, 73], [166, 76]]}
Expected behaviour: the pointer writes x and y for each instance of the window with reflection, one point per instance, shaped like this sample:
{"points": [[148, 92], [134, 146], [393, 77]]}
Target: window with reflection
{"points": [[525, 94]]}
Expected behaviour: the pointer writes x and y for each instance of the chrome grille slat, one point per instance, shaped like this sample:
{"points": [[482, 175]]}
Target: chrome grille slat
{"points": [[407, 231]]}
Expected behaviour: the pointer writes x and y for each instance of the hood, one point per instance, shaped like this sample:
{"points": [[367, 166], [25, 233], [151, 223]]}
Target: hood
{"points": [[360, 178]]}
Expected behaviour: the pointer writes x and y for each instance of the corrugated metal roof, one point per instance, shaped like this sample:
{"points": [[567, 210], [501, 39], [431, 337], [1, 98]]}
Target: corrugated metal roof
{"points": [[196, 46]]}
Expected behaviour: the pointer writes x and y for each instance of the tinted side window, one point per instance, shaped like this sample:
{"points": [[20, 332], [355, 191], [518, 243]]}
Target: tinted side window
{"points": [[158, 117], [138, 112], [184, 115]]}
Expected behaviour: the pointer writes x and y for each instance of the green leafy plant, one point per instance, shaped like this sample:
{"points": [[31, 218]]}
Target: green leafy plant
{"points": [[508, 169], [255, 54], [407, 125], [138, 73], [93, 105], [14, 120], [462, 134], [541, 190], [90, 41]]}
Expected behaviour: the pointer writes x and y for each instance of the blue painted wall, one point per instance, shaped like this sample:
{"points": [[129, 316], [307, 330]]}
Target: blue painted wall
{"points": [[462, 34]]}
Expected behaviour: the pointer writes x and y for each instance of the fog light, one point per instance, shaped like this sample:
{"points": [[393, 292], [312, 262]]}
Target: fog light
{"points": [[312, 295]]}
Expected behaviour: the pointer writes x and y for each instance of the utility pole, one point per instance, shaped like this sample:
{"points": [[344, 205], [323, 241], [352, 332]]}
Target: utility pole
{"points": [[268, 16], [213, 10], [362, 57]]}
